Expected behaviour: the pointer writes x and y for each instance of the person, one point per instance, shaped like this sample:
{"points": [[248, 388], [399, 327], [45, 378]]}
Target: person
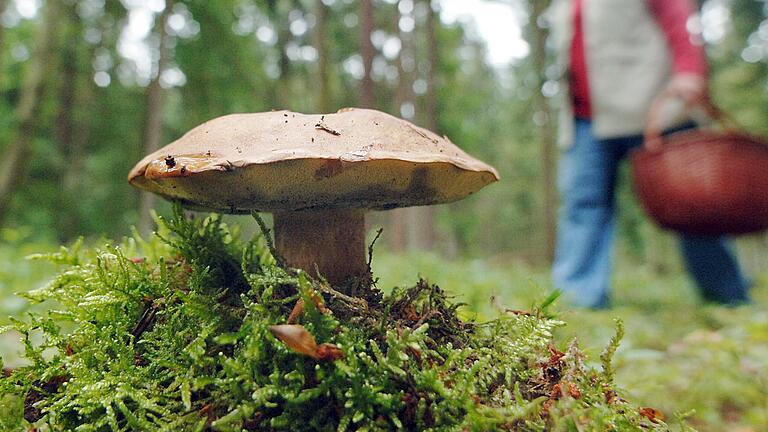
{"points": [[617, 58]]}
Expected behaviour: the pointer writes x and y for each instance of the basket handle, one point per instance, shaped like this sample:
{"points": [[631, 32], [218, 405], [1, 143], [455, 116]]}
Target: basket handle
{"points": [[653, 133]]}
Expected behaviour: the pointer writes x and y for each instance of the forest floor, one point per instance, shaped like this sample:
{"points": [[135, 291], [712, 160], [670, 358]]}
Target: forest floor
{"points": [[678, 356]]}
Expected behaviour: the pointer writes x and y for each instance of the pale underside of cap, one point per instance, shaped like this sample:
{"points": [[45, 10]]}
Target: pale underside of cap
{"points": [[282, 161]]}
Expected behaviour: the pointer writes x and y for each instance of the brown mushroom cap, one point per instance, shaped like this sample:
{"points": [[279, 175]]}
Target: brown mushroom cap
{"points": [[282, 161]]}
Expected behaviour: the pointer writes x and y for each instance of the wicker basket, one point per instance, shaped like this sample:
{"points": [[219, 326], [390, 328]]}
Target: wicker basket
{"points": [[705, 182]]}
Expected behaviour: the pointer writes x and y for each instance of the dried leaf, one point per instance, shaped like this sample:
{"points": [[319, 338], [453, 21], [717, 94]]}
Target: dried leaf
{"points": [[651, 414], [318, 301], [297, 338], [574, 391], [298, 308], [329, 352]]}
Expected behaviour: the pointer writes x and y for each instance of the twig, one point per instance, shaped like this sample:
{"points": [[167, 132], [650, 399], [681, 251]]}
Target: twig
{"points": [[354, 301], [324, 127], [370, 247], [146, 320], [424, 135], [517, 312], [428, 315], [270, 243]]}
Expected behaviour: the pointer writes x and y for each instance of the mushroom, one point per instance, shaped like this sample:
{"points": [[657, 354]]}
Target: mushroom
{"points": [[317, 174]]}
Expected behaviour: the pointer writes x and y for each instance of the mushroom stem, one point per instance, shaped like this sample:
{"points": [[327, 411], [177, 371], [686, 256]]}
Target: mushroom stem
{"points": [[331, 241]]}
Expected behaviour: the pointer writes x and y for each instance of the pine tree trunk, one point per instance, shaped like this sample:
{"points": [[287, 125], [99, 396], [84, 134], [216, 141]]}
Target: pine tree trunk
{"points": [[433, 57], [321, 45], [282, 91], [65, 127], [153, 133], [545, 130], [367, 51], [3, 4], [420, 221], [425, 234], [398, 219], [15, 161]]}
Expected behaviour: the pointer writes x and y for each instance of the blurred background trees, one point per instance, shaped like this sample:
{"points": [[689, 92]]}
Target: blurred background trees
{"points": [[89, 86]]}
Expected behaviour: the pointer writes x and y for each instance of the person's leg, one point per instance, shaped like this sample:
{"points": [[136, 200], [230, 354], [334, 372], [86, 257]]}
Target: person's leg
{"points": [[583, 255], [713, 266]]}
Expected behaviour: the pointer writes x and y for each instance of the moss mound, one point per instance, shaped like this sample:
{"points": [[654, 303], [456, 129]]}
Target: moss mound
{"points": [[193, 335]]}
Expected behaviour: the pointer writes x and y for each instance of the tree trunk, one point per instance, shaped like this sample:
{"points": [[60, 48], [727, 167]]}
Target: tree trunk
{"points": [[420, 221], [323, 75], [425, 235], [65, 127], [153, 134], [367, 51], [433, 59], [545, 129], [3, 4], [282, 96], [13, 167], [399, 219]]}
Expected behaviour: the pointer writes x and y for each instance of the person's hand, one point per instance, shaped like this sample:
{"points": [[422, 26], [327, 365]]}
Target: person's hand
{"points": [[690, 89]]}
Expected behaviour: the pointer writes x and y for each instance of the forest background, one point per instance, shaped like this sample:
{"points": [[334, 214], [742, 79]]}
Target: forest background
{"points": [[87, 87]]}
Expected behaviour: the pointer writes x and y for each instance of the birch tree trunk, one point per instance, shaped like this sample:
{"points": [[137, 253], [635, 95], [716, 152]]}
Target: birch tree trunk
{"points": [[153, 133], [15, 160]]}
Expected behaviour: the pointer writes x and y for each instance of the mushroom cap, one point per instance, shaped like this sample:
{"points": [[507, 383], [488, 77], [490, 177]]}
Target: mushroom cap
{"points": [[283, 161]]}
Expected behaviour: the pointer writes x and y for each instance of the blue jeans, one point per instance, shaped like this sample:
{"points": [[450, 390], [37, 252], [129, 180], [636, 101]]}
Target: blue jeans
{"points": [[584, 254]]}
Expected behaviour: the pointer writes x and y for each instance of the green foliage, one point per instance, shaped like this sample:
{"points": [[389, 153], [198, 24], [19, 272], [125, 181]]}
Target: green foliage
{"points": [[173, 333], [679, 354], [606, 357], [16, 273]]}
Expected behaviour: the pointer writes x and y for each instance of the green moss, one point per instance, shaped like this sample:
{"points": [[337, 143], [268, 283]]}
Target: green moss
{"points": [[174, 334]]}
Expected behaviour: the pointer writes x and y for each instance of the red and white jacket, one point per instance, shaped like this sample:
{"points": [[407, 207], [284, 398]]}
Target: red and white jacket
{"points": [[616, 56]]}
